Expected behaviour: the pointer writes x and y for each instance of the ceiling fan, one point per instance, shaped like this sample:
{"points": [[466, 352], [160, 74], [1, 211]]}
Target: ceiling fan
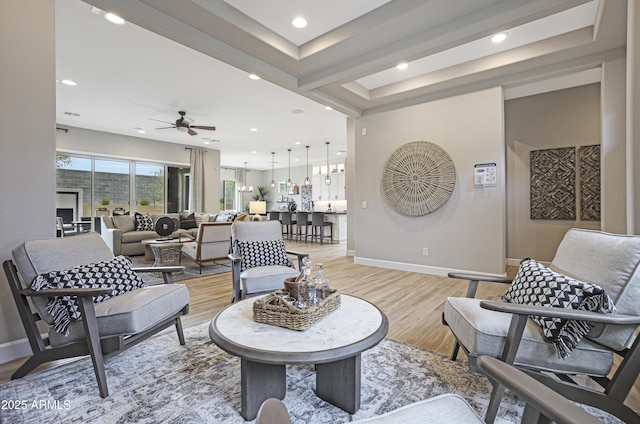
{"points": [[184, 124]]}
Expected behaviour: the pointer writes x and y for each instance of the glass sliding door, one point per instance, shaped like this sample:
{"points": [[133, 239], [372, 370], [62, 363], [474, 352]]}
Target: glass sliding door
{"points": [[73, 193], [112, 187], [150, 188]]}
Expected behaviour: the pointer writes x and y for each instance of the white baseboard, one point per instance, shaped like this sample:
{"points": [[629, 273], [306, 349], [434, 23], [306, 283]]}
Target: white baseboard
{"points": [[14, 349], [423, 269]]}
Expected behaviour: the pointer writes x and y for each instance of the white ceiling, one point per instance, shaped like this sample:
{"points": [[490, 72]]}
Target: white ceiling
{"points": [[195, 55]]}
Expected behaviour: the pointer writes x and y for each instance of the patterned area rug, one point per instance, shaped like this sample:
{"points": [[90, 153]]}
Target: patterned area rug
{"points": [[192, 270], [159, 381]]}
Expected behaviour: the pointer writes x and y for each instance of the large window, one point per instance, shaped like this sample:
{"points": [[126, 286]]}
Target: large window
{"points": [[112, 182], [150, 183], [88, 187]]}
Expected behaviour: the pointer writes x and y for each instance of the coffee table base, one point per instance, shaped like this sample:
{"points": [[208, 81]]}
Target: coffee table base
{"points": [[337, 382]]}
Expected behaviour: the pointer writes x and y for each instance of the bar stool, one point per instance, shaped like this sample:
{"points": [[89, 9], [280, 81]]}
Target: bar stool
{"points": [[274, 216], [302, 221], [318, 223], [287, 223]]}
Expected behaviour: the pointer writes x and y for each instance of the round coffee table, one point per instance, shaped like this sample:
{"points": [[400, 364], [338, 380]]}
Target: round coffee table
{"points": [[334, 345]]}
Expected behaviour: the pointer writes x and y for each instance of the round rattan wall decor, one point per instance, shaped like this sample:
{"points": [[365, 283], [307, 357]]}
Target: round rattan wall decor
{"points": [[418, 178]]}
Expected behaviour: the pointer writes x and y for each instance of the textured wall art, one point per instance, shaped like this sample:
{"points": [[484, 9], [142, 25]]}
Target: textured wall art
{"points": [[553, 183], [589, 165], [418, 178]]}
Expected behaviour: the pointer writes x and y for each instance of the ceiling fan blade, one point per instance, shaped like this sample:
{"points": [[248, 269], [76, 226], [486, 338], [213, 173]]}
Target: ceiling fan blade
{"points": [[166, 122], [165, 128], [191, 132], [201, 127]]}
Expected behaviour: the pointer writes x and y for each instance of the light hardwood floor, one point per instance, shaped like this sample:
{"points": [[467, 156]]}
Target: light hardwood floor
{"points": [[412, 302]]}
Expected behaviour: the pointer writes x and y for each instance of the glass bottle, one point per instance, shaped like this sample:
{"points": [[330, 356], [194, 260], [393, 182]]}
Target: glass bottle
{"points": [[303, 284], [322, 288]]}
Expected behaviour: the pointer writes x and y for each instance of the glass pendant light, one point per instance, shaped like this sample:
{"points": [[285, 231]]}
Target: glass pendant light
{"points": [[289, 182], [273, 161], [327, 179], [307, 181]]}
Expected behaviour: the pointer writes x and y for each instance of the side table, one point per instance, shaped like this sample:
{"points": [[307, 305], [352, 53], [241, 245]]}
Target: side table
{"points": [[166, 254]]}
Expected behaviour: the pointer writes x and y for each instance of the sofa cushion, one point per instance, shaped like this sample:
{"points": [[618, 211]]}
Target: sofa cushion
{"points": [[262, 253], [130, 313], [124, 222], [115, 273], [535, 284], [144, 222], [188, 222]]}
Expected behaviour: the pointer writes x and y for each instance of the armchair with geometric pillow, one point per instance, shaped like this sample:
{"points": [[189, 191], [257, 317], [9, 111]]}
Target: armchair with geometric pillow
{"points": [[88, 301], [260, 261], [562, 324]]}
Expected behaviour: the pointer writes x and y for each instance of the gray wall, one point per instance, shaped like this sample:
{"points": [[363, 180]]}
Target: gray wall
{"points": [[27, 140], [82, 141], [563, 118], [468, 232]]}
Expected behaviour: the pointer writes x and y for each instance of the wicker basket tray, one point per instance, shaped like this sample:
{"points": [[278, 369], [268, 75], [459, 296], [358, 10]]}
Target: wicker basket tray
{"points": [[273, 309]]}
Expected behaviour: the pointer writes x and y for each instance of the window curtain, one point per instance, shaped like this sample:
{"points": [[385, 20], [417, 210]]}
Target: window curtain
{"points": [[196, 200]]}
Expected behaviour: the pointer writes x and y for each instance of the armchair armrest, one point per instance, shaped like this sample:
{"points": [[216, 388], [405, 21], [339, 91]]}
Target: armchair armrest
{"points": [[536, 395], [234, 258], [475, 278], [80, 292], [166, 271], [300, 256], [573, 314]]}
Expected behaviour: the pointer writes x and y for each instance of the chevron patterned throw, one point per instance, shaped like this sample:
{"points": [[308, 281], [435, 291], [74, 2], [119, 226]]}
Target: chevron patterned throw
{"points": [[536, 284]]}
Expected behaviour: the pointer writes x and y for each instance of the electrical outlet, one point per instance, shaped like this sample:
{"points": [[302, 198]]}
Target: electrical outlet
{"points": [[425, 251]]}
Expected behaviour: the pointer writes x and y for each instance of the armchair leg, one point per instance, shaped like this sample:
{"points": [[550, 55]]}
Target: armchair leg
{"points": [[93, 343], [494, 403], [454, 352], [179, 330]]}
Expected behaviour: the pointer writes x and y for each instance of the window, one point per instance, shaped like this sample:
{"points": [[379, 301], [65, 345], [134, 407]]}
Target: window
{"points": [[149, 192]]}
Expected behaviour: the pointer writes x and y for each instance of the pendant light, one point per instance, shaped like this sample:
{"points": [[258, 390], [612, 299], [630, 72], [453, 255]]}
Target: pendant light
{"points": [[307, 181], [327, 179], [244, 187], [273, 161], [289, 182]]}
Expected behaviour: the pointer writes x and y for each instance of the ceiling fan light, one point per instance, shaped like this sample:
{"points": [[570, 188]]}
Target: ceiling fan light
{"points": [[113, 18]]}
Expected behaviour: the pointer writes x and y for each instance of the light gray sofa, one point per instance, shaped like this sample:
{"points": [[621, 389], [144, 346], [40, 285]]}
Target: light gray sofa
{"points": [[119, 232]]}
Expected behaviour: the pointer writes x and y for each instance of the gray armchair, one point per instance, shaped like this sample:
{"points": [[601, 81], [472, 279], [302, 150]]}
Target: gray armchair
{"points": [[540, 403], [506, 331], [103, 329], [259, 260]]}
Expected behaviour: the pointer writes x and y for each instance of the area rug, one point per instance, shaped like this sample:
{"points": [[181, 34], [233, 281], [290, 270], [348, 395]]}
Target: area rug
{"points": [[191, 270], [159, 381]]}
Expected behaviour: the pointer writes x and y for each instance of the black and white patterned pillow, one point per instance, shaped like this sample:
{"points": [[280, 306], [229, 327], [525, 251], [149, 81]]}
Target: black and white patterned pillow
{"points": [[262, 253], [536, 284], [115, 273], [144, 222]]}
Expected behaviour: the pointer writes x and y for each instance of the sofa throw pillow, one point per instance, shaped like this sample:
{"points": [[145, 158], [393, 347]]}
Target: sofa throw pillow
{"points": [[536, 284], [115, 273], [262, 253], [144, 222], [188, 222]]}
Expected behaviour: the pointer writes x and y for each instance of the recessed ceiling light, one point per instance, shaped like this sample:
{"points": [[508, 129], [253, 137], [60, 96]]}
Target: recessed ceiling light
{"points": [[139, 130], [499, 38], [328, 108], [254, 152], [207, 142], [299, 22], [297, 142], [68, 82], [254, 77], [113, 18], [297, 111], [402, 66], [253, 129]]}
